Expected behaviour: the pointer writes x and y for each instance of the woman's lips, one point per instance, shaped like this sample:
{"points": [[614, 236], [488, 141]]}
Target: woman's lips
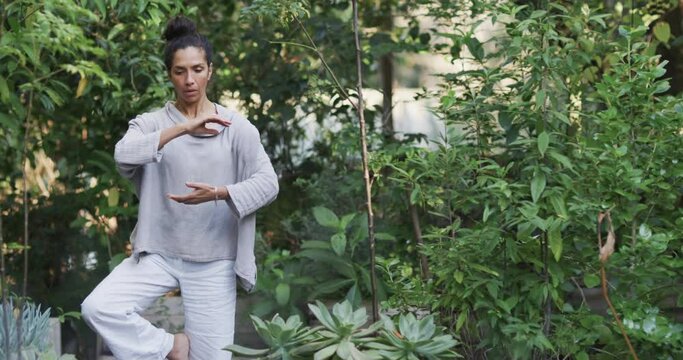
{"points": [[190, 92]]}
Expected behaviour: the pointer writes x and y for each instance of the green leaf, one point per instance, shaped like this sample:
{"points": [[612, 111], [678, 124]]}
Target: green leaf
{"points": [[485, 269], [345, 220], [4, 90], [7, 122], [461, 320], [662, 87], [591, 280], [241, 350], [325, 353], [282, 292], [505, 120], [475, 47], [492, 289], [116, 260], [354, 296], [325, 217], [415, 194], [555, 241], [459, 276], [582, 356], [338, 243], [558, 205], [487, 213], [623, 32], [543, 142], [540, 99], [537, 186], [561, 159], [537, 14], [115, 30], [662, 31], [113, 198]]}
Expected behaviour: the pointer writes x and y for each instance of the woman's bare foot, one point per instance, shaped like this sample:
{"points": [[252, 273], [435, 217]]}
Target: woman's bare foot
{"points": [[181, 348]]}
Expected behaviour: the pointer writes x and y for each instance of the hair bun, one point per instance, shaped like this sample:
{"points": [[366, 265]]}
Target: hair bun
{"points": [[178, 27]]}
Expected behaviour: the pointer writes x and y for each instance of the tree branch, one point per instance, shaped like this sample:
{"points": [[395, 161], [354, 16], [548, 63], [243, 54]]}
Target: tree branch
{"points": [[603, 279]]}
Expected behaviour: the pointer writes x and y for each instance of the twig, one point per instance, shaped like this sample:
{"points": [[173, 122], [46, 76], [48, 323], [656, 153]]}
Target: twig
{"points": [[48, 75], [3, 16], [603, 277], [294, 44], [366, 172], [583, 296], [327, 67], [39, 7]]}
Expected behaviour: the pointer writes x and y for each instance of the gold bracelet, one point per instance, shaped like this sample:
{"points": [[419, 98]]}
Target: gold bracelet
{"points": [[215, 196]]}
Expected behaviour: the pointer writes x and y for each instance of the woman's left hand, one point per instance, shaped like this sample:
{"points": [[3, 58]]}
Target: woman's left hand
{"points": [[201, 193]]}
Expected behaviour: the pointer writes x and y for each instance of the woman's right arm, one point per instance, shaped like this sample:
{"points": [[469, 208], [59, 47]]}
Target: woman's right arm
{"points": [[140, 146]]}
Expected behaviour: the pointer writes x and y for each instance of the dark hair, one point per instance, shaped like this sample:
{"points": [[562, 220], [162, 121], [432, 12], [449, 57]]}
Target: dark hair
{"points": [[181, 33]]}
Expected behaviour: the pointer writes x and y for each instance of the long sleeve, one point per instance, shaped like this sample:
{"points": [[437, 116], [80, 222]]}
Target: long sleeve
{"points": [[138, 146], [261, 185]]}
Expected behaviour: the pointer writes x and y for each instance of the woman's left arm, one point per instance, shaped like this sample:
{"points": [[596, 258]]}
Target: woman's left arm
{"points": [[261, 186]]}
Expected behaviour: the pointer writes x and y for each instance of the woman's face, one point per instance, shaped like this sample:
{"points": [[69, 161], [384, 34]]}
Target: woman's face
{"points": [[190, 74]]}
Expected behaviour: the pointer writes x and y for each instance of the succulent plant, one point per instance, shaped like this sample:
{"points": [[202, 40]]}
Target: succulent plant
{"points": [[343, 332], [282, 337], [35, 330], [413, 339]]}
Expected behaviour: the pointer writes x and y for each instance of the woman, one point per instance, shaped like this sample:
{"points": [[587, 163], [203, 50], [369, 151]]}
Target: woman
{"points": [[200, 172]]}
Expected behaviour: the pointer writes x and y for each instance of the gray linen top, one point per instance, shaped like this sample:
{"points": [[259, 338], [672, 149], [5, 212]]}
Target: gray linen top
{"points": [[209, 231]]}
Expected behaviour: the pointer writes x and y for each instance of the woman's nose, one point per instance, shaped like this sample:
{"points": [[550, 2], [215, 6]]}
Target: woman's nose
{"points": [[189, 80]]}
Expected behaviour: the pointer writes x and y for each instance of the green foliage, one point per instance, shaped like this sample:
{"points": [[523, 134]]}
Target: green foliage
{"points": [[73, 74], [557, 122], [321, 268], [284, 11], [561, 114]]}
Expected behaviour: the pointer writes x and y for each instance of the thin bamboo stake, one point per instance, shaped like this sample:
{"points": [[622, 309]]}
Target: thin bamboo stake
{"points": [[366, 172], [3, 283], [417, 233], [24, 287]]}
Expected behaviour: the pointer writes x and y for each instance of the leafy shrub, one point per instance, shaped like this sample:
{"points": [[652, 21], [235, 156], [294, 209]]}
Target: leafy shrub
{"points": [[562, 117]]}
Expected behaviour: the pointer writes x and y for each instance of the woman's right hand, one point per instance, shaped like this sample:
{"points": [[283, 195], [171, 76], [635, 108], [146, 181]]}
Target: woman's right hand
{"points": [[197, 126]]}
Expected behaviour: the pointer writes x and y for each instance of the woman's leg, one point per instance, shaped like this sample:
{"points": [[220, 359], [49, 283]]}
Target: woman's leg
{"points": [[112, 308], [209, 298]]}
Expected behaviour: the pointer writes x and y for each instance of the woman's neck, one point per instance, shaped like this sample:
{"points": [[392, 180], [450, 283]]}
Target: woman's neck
{"points": [[192, 110]]}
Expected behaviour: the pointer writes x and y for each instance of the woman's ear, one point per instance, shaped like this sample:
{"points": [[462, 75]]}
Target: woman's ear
{"points": [[210, 71]]}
